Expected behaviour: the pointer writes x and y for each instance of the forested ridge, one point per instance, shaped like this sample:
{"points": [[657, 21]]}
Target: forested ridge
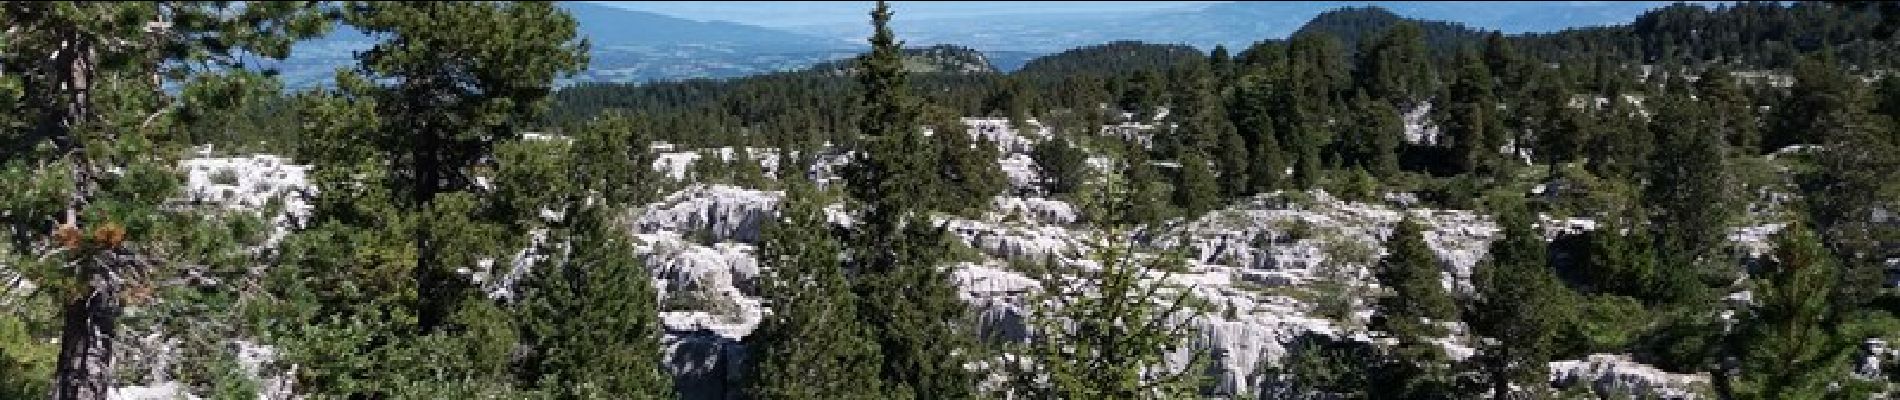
{"points": [[1698, 204]]}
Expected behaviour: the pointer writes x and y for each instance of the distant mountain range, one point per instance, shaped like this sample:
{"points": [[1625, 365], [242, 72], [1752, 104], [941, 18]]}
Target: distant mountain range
{"points": [[1233, 24], [637, 46]]}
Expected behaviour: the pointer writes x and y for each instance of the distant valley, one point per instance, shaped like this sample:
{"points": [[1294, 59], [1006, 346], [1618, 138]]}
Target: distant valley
{"points": [[638, 46]]}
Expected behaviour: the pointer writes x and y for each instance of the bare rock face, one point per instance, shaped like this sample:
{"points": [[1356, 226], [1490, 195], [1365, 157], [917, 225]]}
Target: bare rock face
{"points": [[721, 212], [254, 184], [1616, 375]]}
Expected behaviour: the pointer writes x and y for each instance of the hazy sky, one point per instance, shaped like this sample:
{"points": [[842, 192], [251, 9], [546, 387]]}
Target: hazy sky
{"points": [[797, 13]]}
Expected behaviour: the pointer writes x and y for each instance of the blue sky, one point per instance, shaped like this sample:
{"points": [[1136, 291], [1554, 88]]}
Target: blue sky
{"points": [[799, 13]]}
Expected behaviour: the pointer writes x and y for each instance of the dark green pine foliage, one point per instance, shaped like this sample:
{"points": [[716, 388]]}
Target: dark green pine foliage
{"points": [[591, 319], [1734, 112], [1821, 87], [1559, 130], [1234, 159], [1010, 98], [966, 168], [88, 138], [1250, 107], [1395, 66], [1195, 189], [1620, 149], [1417, 302], [1315, 77], [1858, 162], [1206, 126], [1371, 141], [1623, 264], [1519, 306], [613, 159], [903, 289], [1106, 333], [1688, 182], [397, 146], [1149, 191], [1470, 117], [1062, 167], [451, 94], [814, 344], [1793, 343]]}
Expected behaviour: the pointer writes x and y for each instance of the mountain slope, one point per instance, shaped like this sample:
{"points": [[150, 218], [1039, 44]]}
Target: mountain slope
{"points": [[609, 27], [1233, 24]]}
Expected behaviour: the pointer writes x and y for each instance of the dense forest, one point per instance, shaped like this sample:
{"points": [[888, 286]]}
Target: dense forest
{"points": [[1705, 195]]}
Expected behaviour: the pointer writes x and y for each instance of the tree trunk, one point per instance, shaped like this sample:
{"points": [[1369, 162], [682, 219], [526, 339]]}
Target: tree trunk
{"points": [[84, 369], [85, 345]]}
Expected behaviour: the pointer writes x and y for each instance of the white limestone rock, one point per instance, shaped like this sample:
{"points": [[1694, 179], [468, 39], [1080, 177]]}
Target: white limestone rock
{"points": [[1617, 375], [1033, 210], [724, 212], [252, 183]]}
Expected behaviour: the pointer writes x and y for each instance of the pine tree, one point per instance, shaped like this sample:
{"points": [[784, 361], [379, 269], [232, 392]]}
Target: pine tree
{"points": [[399, 145], [967, 168], [1622, 145], [614, 160], [1372, 142], [1195, 191], [86, 137], [1734, 111], [452, 95], [1688, 181], [1859, 159], [1821, 87], [1519, 306], [1559, 129], [1395, 67], [1062, 167], [1414, 368], [903, 288], [1250, 109], [1792, 341], [1469, 119], [1622, 264], [813, 344], [1233, 157]]}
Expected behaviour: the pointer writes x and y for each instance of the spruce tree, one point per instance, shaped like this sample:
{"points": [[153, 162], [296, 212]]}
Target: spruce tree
{"points": [[1149, 190], [591, 319], [1105, 333], [1519, 306], [813, 345], [902, 286], [1410, 312]]}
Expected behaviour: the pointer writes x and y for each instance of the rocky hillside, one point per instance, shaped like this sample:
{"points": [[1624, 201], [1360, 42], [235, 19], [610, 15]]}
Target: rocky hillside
{"points": [[1264, 272]]}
